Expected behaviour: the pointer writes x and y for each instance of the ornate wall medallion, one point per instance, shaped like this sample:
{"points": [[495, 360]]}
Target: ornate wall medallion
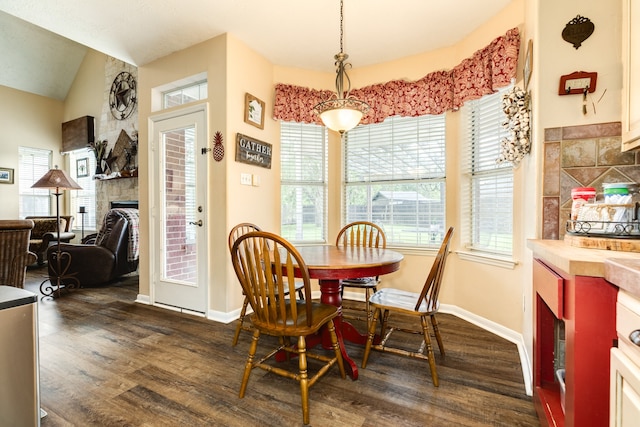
{"points": [[578, 30], [123, 95]]}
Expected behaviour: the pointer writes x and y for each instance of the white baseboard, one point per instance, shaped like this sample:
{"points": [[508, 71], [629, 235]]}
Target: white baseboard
{"points": [[483, 323], [501, 331], [143, 299]]}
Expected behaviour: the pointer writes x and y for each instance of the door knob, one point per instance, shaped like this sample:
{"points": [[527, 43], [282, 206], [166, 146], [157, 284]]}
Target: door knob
{"points": [[198, 223]]}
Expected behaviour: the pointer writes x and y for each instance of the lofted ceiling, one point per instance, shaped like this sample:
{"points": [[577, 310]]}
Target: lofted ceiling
{"points": [[42, 42]]}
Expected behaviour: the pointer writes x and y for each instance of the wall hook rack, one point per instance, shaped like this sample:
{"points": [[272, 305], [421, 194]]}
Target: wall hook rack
{"points": [[577, 83]]}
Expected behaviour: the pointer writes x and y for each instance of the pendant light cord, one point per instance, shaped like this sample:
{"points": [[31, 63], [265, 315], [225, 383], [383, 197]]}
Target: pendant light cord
{"points": [[341, 25]]}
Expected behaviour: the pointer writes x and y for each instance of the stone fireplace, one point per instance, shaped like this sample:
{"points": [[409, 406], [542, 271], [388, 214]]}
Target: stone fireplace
{"points": [[110, 128], [110, 190]]}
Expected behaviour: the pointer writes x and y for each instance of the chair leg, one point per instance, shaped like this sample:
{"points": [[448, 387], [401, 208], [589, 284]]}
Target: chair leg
{"points": [[304, 378], [385, 321], [336, 347], [243, 313], [249, 365], [367, 307], [429, 350], [300, 295], [372, 333], [436, 331]]}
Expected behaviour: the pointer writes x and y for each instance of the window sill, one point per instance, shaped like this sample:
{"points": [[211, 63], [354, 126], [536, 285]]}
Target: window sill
{"points": [[414, 251], [495, 260]]}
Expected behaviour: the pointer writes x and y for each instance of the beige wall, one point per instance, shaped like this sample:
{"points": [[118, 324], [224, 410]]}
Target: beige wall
{"points": [[29, 121], [233, 69], [86, 96], [497, 294], [207, 57], [472, 286], [35, 121], [468, 285]]}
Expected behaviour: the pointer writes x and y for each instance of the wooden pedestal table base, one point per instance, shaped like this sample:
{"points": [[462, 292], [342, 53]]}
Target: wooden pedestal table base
{"points": [[330, 264]]}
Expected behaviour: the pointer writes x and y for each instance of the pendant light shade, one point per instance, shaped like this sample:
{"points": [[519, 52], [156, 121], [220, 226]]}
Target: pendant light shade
{"points": [[342, 112], [341, 115]]}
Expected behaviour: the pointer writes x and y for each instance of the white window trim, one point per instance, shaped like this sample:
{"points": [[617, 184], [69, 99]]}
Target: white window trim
{"points": [[471, 252]]}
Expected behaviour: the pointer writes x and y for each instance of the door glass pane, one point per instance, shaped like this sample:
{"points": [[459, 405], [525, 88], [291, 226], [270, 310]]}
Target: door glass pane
{"points": [[179, 207]]}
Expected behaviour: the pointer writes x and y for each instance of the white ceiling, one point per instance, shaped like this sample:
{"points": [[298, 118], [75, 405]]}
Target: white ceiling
{"points": [[293, 33]]}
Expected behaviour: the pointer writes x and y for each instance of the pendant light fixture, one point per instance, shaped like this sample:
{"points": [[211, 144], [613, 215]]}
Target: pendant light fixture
{"points": [[342, 112]]}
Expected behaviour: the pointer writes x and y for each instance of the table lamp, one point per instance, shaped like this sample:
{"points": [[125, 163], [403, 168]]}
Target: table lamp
{"points": [[57, 180]]}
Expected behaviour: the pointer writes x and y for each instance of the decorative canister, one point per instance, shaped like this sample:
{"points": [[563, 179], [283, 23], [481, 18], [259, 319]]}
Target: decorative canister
{"points": [[580, 196], [617, 193]]}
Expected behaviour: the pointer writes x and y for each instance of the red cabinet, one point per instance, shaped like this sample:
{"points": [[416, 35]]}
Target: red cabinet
{"points": [[587, 306]]}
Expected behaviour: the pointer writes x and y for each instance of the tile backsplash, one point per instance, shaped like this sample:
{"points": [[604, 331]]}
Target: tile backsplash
{"points": [[581, 156]]}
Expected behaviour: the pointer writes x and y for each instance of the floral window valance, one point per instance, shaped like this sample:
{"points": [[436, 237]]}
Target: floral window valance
{"points": [[484, 72]]}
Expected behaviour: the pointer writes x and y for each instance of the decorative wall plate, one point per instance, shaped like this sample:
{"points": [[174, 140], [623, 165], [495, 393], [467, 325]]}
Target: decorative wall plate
{"points": [[578, 30], [123, 95]]}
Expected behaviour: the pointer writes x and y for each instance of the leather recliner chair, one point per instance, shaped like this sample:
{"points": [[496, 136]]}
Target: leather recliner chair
{"points": [[105, 260]]}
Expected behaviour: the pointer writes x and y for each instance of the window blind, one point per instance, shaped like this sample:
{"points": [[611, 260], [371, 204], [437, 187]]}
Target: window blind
{"points": [[394, 176], [488, 189], [33, 163], [303, 160]]}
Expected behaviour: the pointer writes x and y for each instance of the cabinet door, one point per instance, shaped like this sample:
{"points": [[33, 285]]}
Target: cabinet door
{"points": [[625, 391], [630, 73]]}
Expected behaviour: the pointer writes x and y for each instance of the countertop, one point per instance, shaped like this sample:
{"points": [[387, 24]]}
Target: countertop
{"points": [[624, 273], [617, 267]]}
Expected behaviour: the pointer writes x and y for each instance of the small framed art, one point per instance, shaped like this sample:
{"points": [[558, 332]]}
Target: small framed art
{"points": [[253, 111], [6, 176], [528, 65], [82, 167]]}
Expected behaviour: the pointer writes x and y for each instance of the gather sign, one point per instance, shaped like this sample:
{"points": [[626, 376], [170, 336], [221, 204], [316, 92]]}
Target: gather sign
{"points": [[252, 151]]}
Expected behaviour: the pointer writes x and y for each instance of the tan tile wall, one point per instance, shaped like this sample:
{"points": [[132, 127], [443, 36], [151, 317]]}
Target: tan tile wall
{"points": [[581, 156]]}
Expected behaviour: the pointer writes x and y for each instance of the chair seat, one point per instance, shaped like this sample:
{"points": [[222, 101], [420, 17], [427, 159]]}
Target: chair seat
{"points": [[390, 300], [321, 313], [361, 282], [401, 300]]}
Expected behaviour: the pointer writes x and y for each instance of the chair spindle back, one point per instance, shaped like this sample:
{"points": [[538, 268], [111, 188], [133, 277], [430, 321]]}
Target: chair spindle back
{"points": [[266, 265], [239, 230], [431, 288], [362, 234]]}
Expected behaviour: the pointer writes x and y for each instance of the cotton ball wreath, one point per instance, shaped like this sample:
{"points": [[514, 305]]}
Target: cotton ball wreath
{"points": [[513, 148]]}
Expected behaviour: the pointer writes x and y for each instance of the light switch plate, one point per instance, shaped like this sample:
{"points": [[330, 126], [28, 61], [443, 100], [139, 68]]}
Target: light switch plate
{"points": [[245, 178]]}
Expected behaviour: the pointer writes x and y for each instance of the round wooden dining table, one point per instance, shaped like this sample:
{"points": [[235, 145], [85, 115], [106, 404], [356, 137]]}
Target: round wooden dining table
{"points": [[330, 264]]}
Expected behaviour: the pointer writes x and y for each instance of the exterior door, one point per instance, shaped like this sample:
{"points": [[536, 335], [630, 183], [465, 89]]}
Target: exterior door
{"points": [[178, 223]]}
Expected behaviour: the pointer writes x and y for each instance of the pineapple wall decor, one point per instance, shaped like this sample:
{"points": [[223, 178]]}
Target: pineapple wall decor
{"points": [[218, 148]]}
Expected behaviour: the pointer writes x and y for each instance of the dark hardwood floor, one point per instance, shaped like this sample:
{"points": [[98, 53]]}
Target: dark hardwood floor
{"points": [[108, 361]]}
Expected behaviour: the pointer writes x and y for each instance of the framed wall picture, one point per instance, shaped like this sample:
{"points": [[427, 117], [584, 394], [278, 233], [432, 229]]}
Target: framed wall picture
{"points": [[6, 176], [253, 111], [82, 167], [528, 65]]}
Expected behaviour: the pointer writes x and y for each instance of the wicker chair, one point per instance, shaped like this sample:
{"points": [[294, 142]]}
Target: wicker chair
{"points": [[14, 251], [265, 264], [423, 305], [237, 231], [45, 234]]}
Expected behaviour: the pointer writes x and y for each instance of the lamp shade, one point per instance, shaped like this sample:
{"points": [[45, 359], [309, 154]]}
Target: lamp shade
{"points": [[57, 179], [341, 119]]}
